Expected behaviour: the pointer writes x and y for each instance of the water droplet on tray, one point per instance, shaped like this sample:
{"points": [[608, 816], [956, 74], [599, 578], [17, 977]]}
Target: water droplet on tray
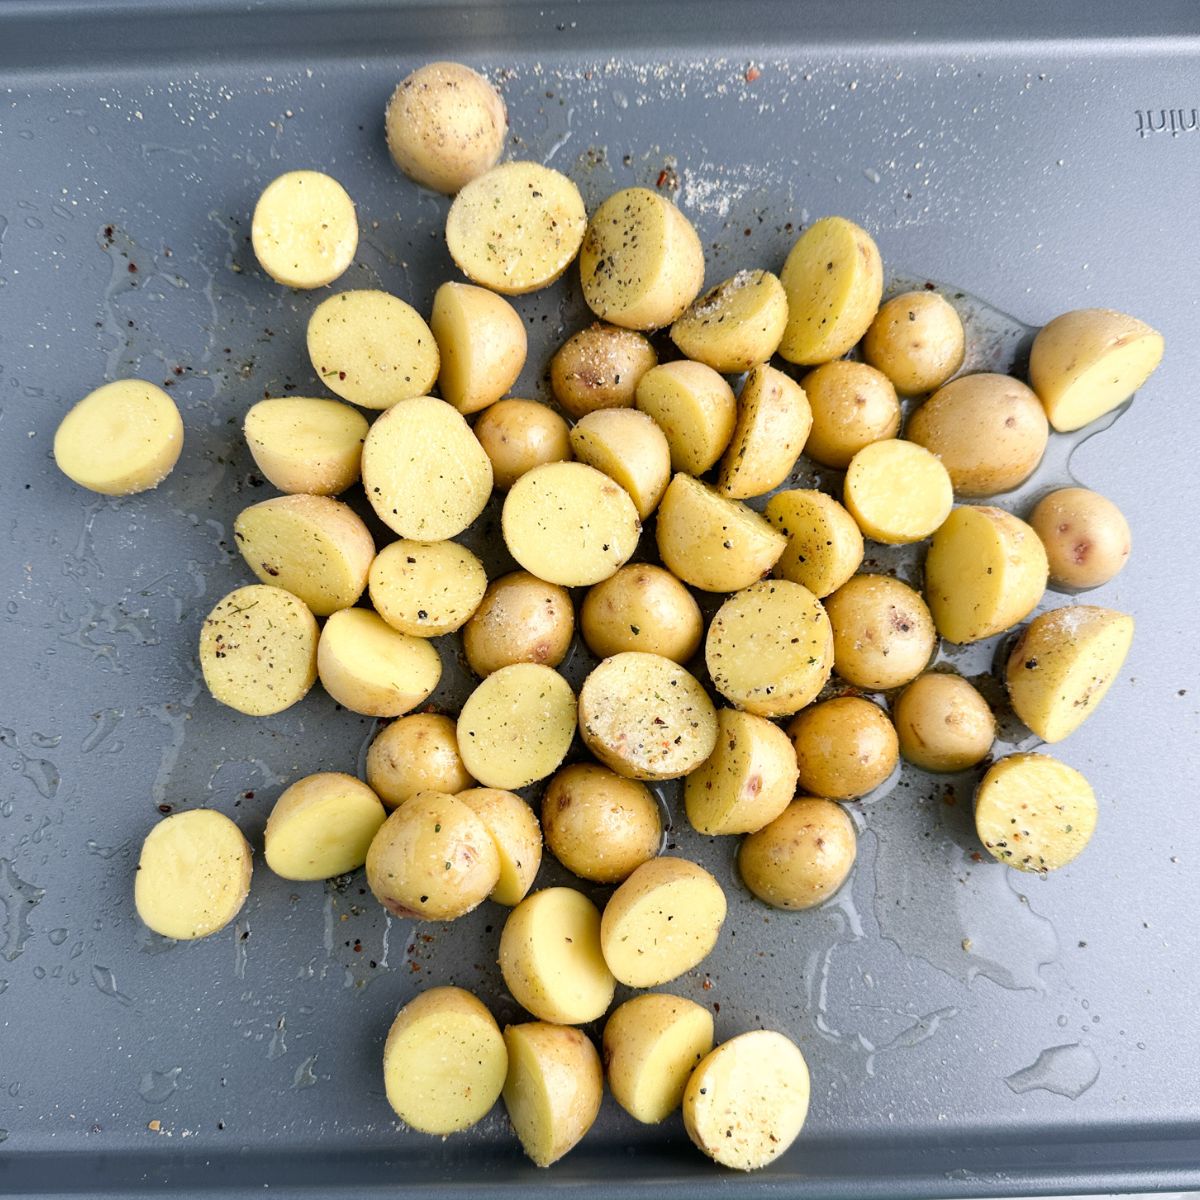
{"points": [[305, 1076], [106, 984], [17, 898], [1064, 1070], [278, 1046], [58, 936], [156, 1086]]}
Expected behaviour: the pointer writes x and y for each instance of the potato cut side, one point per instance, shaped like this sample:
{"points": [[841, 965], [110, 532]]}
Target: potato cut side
{"points": [[772, 427], [553, 1089], [694, 407], [322, 826], [424, 471], [482, 342], [444, 1061], [746, 1103], [373, 669], [426, 589], [628, 446], [518, 838], [833, 279], [193, 875], [517, 228], [1034, 813], [569, 524], [735, 325], [769, 648], [315, 547], [306, 445], [661, 922], [258, 650], [1063, 665], [304, 229], [550, 957], [897, 491], [124, 437], [711, 542], [417, 753], [652, 1043], [517, 726], [824, 543], [646, 717]]}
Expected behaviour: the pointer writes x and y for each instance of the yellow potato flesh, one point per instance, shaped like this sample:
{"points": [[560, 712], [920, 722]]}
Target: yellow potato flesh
{"points": [[630, 449], [482, 343], [825, 544], [306, 445], [514, 829], [736, 325], [772, 426], [897, 491], [426, 589], [304, 229], [694, 407]]}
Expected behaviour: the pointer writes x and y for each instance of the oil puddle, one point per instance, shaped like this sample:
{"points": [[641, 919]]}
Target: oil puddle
{"points": [[1064, 1070], [17, 898]]}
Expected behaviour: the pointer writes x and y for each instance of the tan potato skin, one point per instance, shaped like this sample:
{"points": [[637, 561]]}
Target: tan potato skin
{"points": [[519, 435], [642, 607], [943, 723], [417, 753], [852, 405], [917, 341], [1086, 536], [600, 367], [520, 619], [845, 748]]}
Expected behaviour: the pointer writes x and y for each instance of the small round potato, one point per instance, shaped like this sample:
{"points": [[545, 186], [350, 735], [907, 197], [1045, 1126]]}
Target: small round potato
{"points": [[661, 922], [917, 341], [897, 491], [772, 425], [426, 589], [304, 230], [445, 126], [1086, 536], [482, 344], [802, 857], [520, 619], [321, 826], [883, 634], [306, 445], [943, 723], [600, 367], [630, 449], [518, 837], [598, 824], [418, 753], [123, 438], [845, 748], [736, 325], [852, 406], [519, 435], [990, 432], [694, 407], [825, 545], [642, 607], [193, 874], [433, 859]]}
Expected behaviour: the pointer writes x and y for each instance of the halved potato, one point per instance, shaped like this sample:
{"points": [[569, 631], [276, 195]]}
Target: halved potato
{"points": [[735, 325], [642, 607], [417, 753], [694, 407], [897, 491], [917, 341], [825, 545], [482, 343], [852, 406], [599, 367], [518, 838], [519, 435], [628, 446], [304, 229], [520, 619], [306, 445], [772, 426], [426, 589]]}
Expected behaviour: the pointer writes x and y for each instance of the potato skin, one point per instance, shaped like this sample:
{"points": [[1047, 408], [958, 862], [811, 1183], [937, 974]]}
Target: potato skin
{"points": [[600, 367], [519, 435], [642, 607], [845, 748], [852, 405], [520, 619], [917, 341], [417, 753], [1086, 537], [883, 633], [943, 723]]}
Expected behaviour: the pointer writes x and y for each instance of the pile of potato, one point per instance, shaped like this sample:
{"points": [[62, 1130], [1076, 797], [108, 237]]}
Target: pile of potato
{"points": [[735, 710]]}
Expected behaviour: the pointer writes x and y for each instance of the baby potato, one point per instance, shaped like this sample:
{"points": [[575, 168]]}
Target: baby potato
{"points": [[802, 857], [518, 838], [481, 342], [746, 1102], [986, 571], [426, 589], [444, 1061], [516, 228], [569, 524], [651, 1045], [769, 648], [373, 669], [646, 717], [630, 449], [661, 922], [599, 367], [306, 445], [315, 547], [917, 341], [641, 263], [825, 545], [1086, 537], [445, 126], [553, 1089], [833, 279], [715, 544], [519, 435], [845, 748], [599, 825], [883, 634], [424, 471], [258, 650], [747, 781], [735, 325], [694, 407], [642, 607], [304, 230], [520, 619], [772, 426], [1034, 813], [321, 826], [1088, 362], [897, 491], [517, 726], [852, 406], [433, 859], [418, 753], [943, 723], [122, 438], [989, 431], [1063, 664], [372, 349], [193, 874]]}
